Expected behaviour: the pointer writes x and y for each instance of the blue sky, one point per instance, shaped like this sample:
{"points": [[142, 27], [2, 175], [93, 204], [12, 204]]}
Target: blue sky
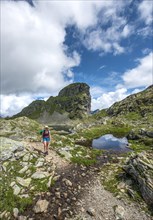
{"points": [[46, 45]]}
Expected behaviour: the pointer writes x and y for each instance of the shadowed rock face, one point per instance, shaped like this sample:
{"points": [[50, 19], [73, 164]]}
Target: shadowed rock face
{"points": [[140, 168], [74, 101]]}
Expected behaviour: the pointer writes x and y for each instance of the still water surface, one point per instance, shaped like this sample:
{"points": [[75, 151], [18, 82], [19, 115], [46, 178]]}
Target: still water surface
{"points": [[109, 142]]}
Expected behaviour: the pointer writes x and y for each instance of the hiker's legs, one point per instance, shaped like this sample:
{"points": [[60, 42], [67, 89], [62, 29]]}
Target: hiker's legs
{"points": [[45, 143]]}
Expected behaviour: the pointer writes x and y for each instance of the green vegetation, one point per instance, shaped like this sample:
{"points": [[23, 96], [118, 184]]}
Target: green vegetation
{"points": [[100, 130], [99, 115], [85, 156], [138, 147], [132, 116], [111, 177], [8, 200]]}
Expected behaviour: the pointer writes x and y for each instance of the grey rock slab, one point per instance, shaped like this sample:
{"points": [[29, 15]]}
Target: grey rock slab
{"points": [[40, 164], [119, 212], [41, 206], [40, 175], [50, 181], [24, 169], [22, 217], [15, 212], [23, 182], [91, 211], [27, 157], [16, 189]]}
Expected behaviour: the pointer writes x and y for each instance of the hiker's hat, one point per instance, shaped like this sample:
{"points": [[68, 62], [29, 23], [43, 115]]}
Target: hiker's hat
{"points": [[46, 126]]}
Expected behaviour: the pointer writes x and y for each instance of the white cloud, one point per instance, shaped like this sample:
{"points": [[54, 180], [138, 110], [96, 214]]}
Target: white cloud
{"points": [[146, 51], [127, 30], [11, 104], [96, 91], [145, 9], [142, 75], [101, 67], [33, 55], [34, 58], [108, 41], [108, 98]]}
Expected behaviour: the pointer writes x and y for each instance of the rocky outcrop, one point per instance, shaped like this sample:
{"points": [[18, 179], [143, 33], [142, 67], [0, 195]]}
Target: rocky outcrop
{"points": [[20, 128], [22, 179], [74, 101], [140, 168], [140, 103]]}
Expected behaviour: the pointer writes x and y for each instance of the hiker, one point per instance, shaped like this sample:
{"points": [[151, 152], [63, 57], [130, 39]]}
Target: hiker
{"points": [[46, 137]]}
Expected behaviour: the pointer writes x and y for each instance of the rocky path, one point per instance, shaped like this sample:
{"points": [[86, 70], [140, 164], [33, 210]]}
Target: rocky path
{"points": [[78, 195], [60, 163]]}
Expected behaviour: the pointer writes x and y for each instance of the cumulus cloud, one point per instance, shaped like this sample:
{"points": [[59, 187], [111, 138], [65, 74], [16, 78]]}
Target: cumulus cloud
{"points": [[145, 9], [108, 98], [137, 78], [96, 91], [33, 55], [11, 104], [140, 76], [34, 58]]}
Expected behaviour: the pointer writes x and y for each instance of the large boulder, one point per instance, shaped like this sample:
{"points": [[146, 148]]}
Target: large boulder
{"points": [[9, 147], [140, 168]]}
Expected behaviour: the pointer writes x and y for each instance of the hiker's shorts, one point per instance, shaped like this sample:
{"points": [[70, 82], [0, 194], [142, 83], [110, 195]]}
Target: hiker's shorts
{"points": [[46, 139]]}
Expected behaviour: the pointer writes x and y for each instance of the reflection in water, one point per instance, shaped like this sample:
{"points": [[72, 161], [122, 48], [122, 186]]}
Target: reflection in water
{"points": [[109, 142]]}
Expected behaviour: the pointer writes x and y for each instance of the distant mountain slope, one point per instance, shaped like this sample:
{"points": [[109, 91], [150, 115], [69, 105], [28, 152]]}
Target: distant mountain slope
{"points": [[73, 101], [141, 103]]}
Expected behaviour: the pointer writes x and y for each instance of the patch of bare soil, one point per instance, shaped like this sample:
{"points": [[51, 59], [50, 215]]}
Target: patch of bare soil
{"points": [[59, 162], [98, 204]]}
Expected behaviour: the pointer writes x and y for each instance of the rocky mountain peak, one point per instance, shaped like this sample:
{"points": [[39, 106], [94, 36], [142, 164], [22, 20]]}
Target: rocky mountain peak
{"points": [[74, 89], [73, 101]]}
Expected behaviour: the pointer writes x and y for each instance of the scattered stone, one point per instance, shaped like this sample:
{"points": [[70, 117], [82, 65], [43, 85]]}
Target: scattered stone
{"points": [[50, 181], [65, 195], [24, 196], [56, 178], [15, 212], [119, 212], [12, 184], [67, 182], [23, 182], [39, 175], [41, 206], [40, 164], [91, 212], [27, 157], [22, 217], [24, 169], [16, 189], [58, 195], [59, 211]]}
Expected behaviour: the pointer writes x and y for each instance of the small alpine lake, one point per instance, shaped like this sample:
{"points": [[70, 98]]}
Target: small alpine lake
{"points": [[109, 142]]}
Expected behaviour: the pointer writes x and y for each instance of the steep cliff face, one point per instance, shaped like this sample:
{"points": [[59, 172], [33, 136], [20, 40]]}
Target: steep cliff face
{"points": [[74, 101], [140, 103]]}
